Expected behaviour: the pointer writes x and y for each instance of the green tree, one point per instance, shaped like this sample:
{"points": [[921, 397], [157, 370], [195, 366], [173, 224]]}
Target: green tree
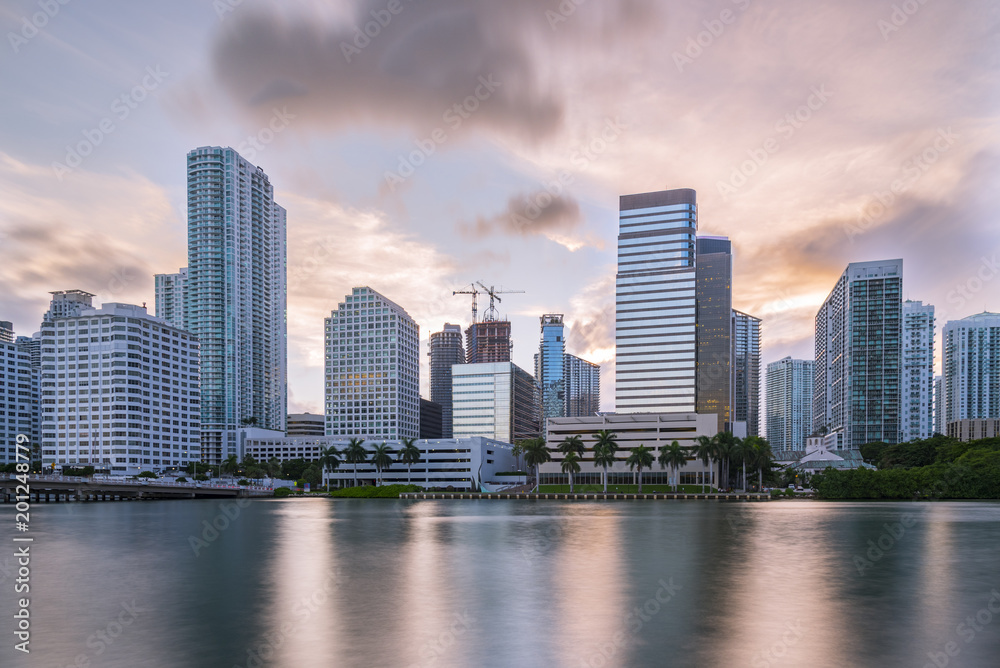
{"points": [[355, 454], [572, 444], [672, 457], [230, 465], [739, 453], [273, 467], [605, 448], [329, 459], [723, 445], [517, 450], [641, 457], [571, 464], [408, 454], [704, 451], [249, 422], [382, 459], [292, 469], [536, 454]]}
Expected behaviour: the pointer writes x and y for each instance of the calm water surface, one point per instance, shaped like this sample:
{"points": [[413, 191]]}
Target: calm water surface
{"points": [[511, 583]]}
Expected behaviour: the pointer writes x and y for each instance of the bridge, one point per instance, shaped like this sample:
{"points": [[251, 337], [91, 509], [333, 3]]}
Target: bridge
{"points": [[48, 488]]}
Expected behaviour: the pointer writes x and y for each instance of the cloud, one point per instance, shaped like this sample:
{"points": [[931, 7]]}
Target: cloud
{"points": [[529, 214]]}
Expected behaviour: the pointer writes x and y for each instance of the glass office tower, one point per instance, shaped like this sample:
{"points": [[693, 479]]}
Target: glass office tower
{"points": [[715, 328], [550, 372], [655, 346]]}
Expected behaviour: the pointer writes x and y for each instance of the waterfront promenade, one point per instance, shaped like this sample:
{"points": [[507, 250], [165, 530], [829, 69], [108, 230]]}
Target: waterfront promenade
{"points": [[56, 488]]}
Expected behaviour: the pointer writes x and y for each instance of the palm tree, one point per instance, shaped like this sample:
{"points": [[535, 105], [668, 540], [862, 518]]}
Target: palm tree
{"points": [[763, 456], [723, 442], [329, 458], [382, 459], [517, 450], [230, 464], [536, 454], [572, 444], [273, 467], [571, 464], [641, 457], [604, 449], [705, 451], [673, 457], [604, 456], [355, 453], [739, 452], [409, 454]]}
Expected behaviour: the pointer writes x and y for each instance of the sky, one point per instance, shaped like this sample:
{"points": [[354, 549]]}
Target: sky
{"points": [[422, 145]]}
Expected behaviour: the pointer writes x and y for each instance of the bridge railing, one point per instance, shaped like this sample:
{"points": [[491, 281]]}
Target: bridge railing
{"points": [[141, 482]]}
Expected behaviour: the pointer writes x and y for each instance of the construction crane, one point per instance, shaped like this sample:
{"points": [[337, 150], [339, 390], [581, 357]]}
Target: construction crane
{"points": [[494, 294], [475, 293]]}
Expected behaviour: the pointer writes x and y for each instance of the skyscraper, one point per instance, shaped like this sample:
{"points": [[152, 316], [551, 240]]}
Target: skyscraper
{"points": [[746, 372], [550, 368], [445, 350], [971, 368], [372, 369], [67, 303], [18, 393], [583, 386], [170, 296], [655, 346], [917, 405], [715, 328], [858, 355], [236, 296], [130, 399], [939, 405], [488, 341], [497, 400], [789, 403]]}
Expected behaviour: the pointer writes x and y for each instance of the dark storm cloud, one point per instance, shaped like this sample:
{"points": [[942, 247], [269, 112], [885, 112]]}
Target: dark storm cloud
{"points": [[529, 214], [412, 66]]}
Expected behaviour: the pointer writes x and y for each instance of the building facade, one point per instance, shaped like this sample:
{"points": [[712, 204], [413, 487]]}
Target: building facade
{"points": [[655, 299], [235, 306], [917, 392], [119, 391], [858, 355], [789, 403], [971, 368], [431, 421], [583, 386], [550, 365], [497, 400], [488, 341], [19, 387], [305, 424], [445, 350], [746, 373], [68, 303], [715, 328], [171, 297], [372, 368], [974, 429], [938, 404]]}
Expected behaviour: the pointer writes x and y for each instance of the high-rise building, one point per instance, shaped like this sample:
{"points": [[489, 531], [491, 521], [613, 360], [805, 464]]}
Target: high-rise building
{"points": [[550, 366], [789, 403], [171, 296], [67, 303], [235, 302], [746, 372], [372, 368], [497, 400], [655, 346], [583, 386], [488, 341], [445, 350], [916, 413], [18, 393], [119, 391], [715, 329], [430, 419], [939, 404], [971, 368], [858, 354]]}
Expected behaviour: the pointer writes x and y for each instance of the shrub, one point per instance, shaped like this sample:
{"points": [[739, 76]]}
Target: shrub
{"points": [[182, 479], [281, 492], [201, 477], [147, 474], [243, 481], [372, 492]]}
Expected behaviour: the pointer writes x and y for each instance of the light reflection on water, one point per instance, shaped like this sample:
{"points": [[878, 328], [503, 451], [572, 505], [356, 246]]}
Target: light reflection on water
{"points": [[486, 583]]}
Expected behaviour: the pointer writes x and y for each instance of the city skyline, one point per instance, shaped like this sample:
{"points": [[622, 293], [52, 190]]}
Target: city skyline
{"points": [[115, 216]]}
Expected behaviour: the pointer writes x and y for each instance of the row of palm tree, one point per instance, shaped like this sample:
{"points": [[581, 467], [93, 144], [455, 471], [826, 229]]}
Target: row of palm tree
{"points": [[330, 457], [722, 449]]}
